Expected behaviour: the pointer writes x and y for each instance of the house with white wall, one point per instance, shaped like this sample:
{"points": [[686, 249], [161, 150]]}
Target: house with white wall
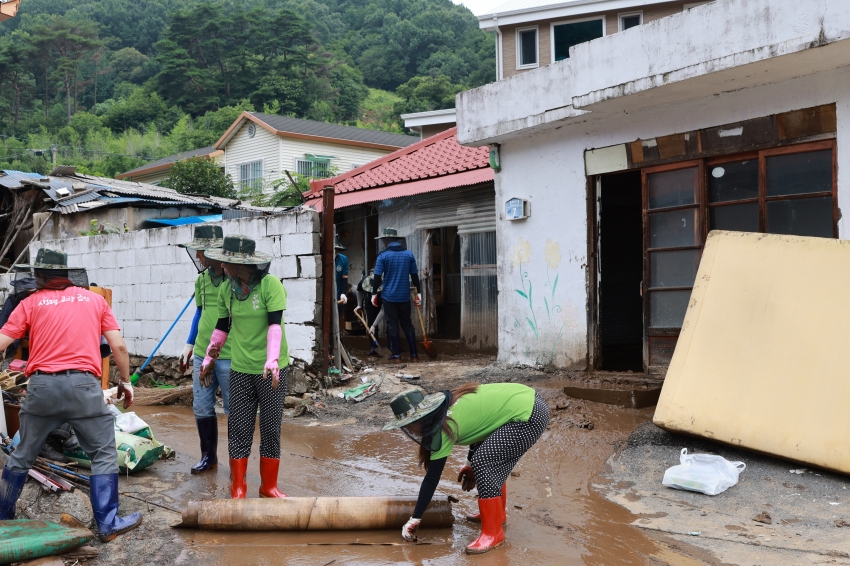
{"points": [[259, 149], [614, 164], [535, 33]]}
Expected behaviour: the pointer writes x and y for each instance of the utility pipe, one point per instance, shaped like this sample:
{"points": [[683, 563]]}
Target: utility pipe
{"points": [[313, 514]]}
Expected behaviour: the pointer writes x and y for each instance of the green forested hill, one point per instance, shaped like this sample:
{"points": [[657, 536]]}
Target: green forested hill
{"points": [[115, 82]]}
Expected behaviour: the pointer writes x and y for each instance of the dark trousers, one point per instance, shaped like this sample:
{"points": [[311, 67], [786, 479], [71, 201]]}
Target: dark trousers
{"points": [[398, 319]]}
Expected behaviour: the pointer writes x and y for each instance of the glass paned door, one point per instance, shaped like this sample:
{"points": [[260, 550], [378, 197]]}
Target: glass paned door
{"points": [[673, 239]]}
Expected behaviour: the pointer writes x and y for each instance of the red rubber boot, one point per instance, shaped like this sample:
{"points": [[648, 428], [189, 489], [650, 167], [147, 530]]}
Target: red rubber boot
{"points": [[492, 536], [238, 485], [476, 518], [268, 478]]}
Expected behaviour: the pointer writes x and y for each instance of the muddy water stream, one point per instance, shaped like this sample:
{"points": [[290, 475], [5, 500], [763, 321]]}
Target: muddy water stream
{"points": [[553, 515]]}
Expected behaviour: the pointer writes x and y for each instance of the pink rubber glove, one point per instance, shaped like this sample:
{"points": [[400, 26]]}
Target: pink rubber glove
{"points": [[217, 340], [273, 354]]}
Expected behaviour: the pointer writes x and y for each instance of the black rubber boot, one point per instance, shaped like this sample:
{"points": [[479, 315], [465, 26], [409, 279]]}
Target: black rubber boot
{"points": [[395, 348], [411, 344], [208, 432]]}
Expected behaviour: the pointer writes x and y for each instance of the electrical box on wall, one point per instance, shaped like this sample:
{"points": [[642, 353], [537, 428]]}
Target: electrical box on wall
{"points": [[517, 209]]}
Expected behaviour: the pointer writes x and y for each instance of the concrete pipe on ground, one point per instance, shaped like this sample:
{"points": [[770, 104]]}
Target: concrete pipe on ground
{"points": [[313, 514]]}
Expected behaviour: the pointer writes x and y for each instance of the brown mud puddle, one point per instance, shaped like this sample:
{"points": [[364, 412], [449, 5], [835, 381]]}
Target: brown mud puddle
{"points": [[553, 517]]}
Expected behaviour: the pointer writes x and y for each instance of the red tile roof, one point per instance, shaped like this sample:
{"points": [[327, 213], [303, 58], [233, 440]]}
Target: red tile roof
{"points": [[435, 157]]}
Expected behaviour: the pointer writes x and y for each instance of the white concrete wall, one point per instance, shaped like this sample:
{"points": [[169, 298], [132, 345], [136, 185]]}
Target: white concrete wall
{"points": [[710, 50], [152, 278], [547, 168]]}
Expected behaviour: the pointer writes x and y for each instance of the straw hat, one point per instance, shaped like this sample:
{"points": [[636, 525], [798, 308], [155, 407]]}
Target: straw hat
{"points": [[238, 249], [48, 259], [411, 406], [206, 236], [388, 233]]}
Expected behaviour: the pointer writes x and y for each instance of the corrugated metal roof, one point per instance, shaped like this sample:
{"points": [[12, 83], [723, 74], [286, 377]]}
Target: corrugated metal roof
{"points": [[335, 131], [520, 6], [172, 159]]}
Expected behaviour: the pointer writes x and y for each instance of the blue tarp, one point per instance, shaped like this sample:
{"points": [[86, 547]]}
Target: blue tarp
{"points": [[186, 220]]}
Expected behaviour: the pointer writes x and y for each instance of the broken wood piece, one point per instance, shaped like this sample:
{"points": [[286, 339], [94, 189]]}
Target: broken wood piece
{"points": [[313, 514]]}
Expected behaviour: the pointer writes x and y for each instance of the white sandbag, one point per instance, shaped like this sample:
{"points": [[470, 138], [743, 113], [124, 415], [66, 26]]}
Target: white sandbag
{"points": [[129, 423], [703, 473]]}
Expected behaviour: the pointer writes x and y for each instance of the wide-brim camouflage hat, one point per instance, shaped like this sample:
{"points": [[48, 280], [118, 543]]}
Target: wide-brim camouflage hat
{"points": [[238, 249], [48, 259], [368, 285], [205, 237], [411, 406], [388, 233]]}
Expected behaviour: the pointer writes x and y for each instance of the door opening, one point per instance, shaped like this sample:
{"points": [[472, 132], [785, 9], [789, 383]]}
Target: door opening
{"points": [[620, 273]]}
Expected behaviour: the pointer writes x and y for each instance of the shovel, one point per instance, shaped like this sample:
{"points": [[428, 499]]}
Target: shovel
{"points": [[430, 349], [375, 345]]}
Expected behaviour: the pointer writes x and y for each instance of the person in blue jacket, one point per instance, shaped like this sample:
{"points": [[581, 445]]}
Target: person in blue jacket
{"points": [[395, 269]]}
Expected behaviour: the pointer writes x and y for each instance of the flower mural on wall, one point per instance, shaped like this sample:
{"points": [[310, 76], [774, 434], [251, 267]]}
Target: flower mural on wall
{"points": [[522, 253], [545, 334]]}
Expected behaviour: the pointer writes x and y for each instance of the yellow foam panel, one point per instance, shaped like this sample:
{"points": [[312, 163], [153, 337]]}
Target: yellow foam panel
{"points": [[763, 360]]}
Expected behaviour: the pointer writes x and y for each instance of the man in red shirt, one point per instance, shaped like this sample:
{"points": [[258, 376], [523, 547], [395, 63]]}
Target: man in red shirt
{"points": [[65, 322]]}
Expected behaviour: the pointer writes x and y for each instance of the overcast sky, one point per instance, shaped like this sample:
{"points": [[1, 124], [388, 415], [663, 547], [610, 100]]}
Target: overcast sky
{"points": [[479, 7]]}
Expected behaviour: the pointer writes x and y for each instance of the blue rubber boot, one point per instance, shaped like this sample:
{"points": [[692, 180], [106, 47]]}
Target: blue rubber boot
{"points": [[208, 433], [11, 486], [104, 503]]}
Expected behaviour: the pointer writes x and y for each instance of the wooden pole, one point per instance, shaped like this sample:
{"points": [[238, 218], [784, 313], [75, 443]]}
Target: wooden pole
{"points": [[313, 514], [328, 302]]}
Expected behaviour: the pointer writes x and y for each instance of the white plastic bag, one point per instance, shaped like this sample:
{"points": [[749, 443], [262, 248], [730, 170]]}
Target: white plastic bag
{"points": [[703, 473], [129, 423]]}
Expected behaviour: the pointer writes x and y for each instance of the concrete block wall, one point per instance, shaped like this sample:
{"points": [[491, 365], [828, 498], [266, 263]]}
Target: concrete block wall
{"points": [[152, 278]]}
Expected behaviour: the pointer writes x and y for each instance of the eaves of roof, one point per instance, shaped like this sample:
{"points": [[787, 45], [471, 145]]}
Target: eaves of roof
{"points": [[166, 163], [334, 139], [434, 157]]}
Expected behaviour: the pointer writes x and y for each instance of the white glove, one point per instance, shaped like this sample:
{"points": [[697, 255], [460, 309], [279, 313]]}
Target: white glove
{"points": [[418, 300], [374, 330], [185, 356], [343, 299], [408, 531]]}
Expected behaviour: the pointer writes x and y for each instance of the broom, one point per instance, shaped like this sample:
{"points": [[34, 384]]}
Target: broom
{"points": [[135, 377]]}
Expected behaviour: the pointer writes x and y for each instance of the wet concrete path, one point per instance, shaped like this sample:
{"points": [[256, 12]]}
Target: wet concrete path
{"points": [[553, 516]]}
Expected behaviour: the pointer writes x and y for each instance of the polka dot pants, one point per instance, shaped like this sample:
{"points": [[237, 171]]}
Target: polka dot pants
{"points": [[494, 458], [247, 392]]}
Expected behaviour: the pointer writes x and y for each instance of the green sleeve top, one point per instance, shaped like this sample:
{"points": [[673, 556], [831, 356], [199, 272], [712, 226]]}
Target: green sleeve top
{"points": [[250, 324], [477, 415], [206, 297]]}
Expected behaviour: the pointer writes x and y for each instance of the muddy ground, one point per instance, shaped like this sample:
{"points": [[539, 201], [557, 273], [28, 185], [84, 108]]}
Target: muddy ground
{"points": [[807, 510], [555, 515]]}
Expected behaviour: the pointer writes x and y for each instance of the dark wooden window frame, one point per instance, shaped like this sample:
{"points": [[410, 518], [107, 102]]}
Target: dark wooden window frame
{"points": [[704, 206]]}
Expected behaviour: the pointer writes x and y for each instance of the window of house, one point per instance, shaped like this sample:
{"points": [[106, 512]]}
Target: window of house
{"points": [[630, 20], [567, 34], [315, 168], [526, 45], [251, 176], [788, 190], [355, 166]]}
